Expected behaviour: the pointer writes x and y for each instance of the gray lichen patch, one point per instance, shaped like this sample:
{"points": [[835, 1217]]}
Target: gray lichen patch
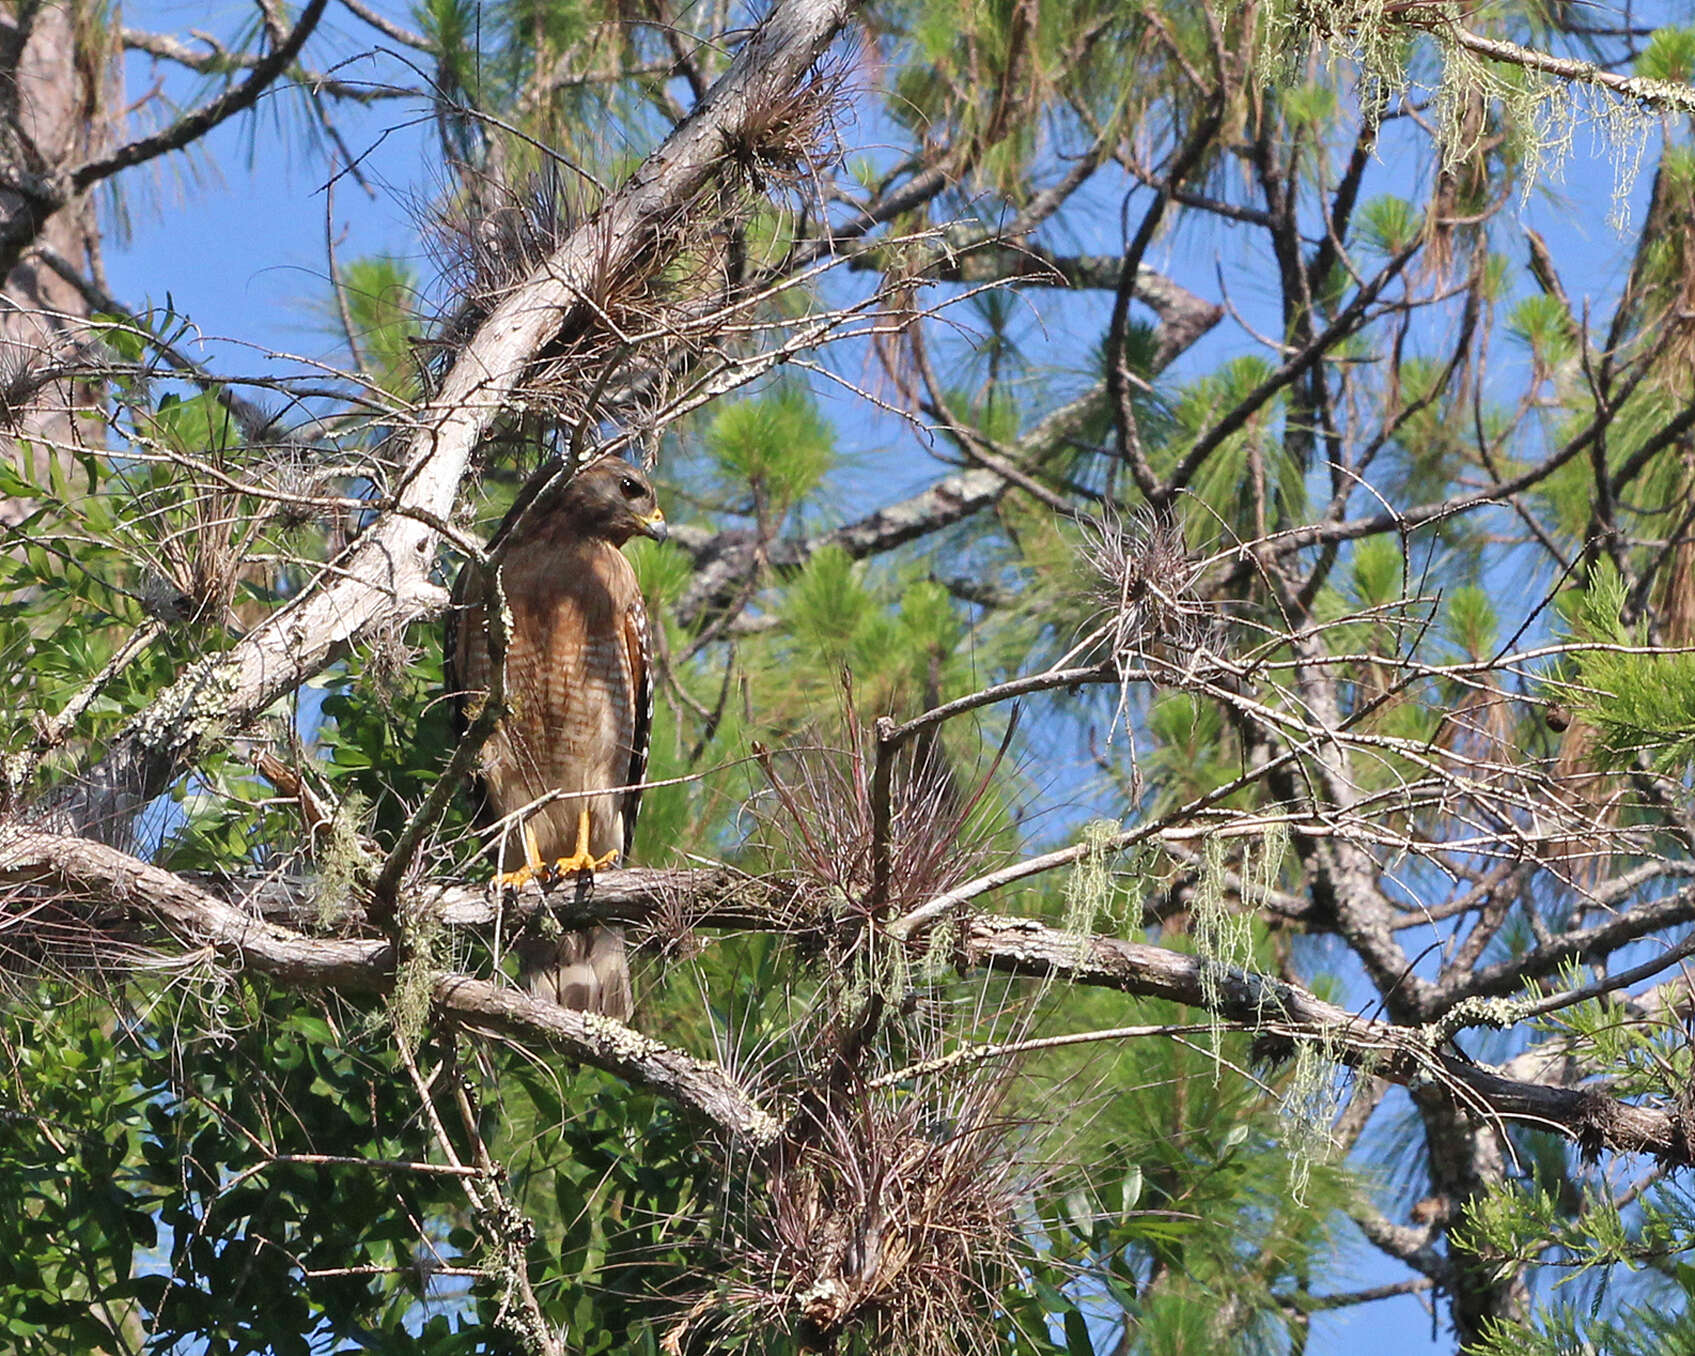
{"points": [[622, 1048], [191, 711]]}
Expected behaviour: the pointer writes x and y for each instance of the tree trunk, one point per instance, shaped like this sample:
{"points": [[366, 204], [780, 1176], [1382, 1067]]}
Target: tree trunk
{"points": [[1466, 1161], [57, 82]]}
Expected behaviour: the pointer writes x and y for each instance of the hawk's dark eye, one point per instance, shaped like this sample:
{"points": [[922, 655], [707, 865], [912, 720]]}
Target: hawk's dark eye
{"points": [[630, 488]]}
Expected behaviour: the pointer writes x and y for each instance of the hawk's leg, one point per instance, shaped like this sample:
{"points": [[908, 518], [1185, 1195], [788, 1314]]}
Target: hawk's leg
{"points": [[532, 867], [582, 859]]}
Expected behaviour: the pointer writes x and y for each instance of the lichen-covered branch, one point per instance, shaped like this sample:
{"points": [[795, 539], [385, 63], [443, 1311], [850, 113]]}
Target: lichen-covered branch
{"points": [[60, 869], [1284, 1011], [235, 933]]}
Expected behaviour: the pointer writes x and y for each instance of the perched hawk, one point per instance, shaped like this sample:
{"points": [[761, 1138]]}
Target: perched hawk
{"points": [[579, 704]]}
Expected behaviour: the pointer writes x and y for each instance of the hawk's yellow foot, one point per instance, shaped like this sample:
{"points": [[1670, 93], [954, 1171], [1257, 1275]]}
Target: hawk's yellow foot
{"points": [[529, 871], [582, 859]]}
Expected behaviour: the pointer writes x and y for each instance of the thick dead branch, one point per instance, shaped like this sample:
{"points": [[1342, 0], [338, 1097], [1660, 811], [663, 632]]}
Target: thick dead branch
{"points": [[73, 870], [223, 934], [610, 1045], [1400, 1054], [705, 897], [1415, 1247]]}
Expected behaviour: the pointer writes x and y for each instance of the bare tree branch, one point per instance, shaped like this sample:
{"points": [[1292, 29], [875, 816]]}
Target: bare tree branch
{"points": [[1668, 95], [79, 870], [724, 561], [192, 126], [215, 59], [204, 925]]}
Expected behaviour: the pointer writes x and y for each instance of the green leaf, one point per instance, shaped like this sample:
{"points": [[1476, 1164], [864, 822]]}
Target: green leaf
{"points": [[1131, 1192], [1077, 1339]]}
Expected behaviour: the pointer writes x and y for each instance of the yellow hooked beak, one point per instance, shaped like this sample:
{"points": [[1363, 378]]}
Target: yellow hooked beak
{"points": [[654, 525]]}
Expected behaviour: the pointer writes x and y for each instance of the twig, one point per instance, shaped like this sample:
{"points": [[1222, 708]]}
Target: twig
{"points": [[1536, 1007], [494, 1215], [17, 771], [975, 1054], [497, 624], [388, 28], [195, 125]]}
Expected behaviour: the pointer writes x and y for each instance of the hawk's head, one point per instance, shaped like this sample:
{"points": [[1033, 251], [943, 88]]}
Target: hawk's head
{"points": [[613, 500]]}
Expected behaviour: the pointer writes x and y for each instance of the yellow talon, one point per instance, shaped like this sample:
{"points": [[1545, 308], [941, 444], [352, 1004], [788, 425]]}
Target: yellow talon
{"points": [[582, 859], [529, 871]]}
